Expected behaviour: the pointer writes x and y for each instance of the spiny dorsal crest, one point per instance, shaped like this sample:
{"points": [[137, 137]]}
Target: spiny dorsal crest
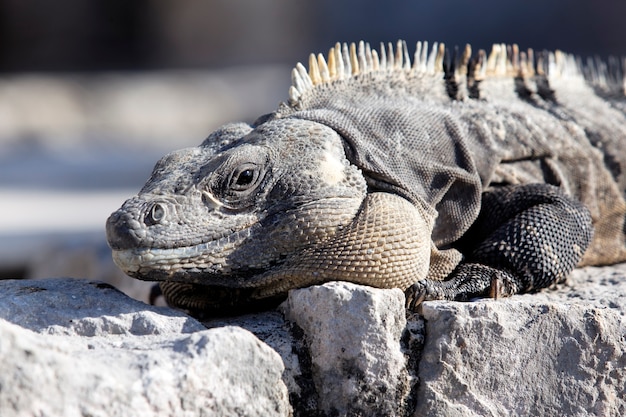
{"points": [[460, 72], [345, 62]]}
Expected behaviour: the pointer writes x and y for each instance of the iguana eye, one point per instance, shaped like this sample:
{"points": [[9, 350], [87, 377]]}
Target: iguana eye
{"points": [[244, 177], [237, 177]]}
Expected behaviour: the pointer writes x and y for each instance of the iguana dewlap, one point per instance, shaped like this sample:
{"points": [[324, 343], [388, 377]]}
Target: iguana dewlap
{"points": [[448, 178]]}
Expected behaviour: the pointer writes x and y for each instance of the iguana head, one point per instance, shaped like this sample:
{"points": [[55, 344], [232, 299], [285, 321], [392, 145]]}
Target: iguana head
{"points": [[239, 205]]}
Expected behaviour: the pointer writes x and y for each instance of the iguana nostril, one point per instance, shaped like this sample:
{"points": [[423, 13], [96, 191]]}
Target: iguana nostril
{"points": [[155, 214]]}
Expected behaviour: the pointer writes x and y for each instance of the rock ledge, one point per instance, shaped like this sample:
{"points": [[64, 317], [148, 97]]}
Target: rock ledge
{"points": [[74, 347]]}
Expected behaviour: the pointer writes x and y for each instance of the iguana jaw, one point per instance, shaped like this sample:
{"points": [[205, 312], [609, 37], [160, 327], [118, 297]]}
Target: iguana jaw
{"points": [[194, 264], [253, 257]]}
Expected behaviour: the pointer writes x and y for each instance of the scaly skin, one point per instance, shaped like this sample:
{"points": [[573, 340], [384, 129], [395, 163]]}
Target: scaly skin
{"points": [[450, 180]]}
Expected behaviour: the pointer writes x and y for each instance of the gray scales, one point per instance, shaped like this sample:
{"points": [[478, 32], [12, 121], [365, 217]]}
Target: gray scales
{"points": [[453, 176]]}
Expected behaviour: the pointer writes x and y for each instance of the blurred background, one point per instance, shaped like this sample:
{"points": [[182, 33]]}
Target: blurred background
{"points": [[93, 92]]}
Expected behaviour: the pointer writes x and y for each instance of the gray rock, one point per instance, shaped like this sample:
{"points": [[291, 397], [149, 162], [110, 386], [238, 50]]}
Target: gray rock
{"points": [[76, 347], [353, 337], [272, 328], [558, 352], [82, 358], [85, 308]]}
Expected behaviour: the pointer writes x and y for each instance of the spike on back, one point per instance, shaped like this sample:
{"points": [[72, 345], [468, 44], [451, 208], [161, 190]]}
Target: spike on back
{"points": [[348, 61]]}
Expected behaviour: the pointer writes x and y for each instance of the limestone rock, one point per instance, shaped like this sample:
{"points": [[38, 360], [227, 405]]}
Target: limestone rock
{"points": [[272, 328], [76, 347], [560, 352], [82, 358], [85, 308], [353, 336]]}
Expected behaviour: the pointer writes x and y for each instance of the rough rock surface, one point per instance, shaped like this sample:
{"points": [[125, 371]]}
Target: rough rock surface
{"points": [[559, 352], [78, 348], [75, 347], [357, 364]]}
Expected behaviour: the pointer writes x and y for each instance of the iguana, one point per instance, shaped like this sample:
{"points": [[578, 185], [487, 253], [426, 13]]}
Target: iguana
{"points": [[451, 177]]}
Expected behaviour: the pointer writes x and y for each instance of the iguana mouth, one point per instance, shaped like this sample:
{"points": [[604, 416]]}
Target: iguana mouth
{"points": [[138, 260], [188, 264], [208, 263]]}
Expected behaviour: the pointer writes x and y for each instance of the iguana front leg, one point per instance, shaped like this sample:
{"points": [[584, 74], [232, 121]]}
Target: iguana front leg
{"points": [[527, 237]]}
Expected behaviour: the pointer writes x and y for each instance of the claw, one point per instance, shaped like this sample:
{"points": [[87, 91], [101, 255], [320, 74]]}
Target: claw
{"points": [[500, 286], [415, 295], [495, 288]]}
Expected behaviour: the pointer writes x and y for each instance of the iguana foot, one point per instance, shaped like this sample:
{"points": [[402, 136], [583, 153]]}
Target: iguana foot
{"points": [[469, 280]]}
